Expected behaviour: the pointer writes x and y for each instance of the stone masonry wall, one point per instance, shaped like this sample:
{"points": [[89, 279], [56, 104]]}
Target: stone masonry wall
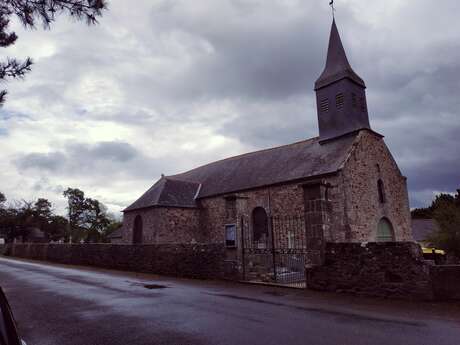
{"points": [[353, 214], [165, 225], [355, 209], [370, 161], [446, 282], [189, 261], [283, 200], [389, 269]]}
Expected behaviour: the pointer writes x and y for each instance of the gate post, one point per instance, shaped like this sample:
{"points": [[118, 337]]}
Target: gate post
{"points": [[317, 219], [243, 254], [273, 249]]}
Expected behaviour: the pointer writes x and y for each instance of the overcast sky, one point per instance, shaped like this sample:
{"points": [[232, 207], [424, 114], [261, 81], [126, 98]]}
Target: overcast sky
{"points": [[167, 85]]}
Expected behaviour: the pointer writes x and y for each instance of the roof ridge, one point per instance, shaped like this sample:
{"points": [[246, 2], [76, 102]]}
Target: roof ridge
{"points": [[245, 154], [171, 178]]}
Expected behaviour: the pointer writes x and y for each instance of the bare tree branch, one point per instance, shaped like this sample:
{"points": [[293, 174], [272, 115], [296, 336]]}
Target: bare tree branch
{"points": [[29, 13]]}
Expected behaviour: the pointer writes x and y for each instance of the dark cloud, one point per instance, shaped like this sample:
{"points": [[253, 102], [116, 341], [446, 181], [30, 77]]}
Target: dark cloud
{"points": [[245, 58], [98, 161], [167, 85]]}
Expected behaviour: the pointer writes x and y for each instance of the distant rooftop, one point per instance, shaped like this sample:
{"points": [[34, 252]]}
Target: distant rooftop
{"points": [[422, 228]]}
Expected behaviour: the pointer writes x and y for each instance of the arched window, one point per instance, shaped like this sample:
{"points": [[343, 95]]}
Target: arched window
{"points": [[385, 231], [137, 231], [259, 225], [381, 189]]}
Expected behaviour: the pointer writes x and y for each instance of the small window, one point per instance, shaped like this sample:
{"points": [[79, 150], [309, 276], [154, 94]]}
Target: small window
{"points": [[381, 189], [291, 239], [230, 208], [354, 101], [339, 100], [324, 105], [230, 236]]}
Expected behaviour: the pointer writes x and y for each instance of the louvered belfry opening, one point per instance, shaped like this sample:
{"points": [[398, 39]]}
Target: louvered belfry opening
{"points": [[341, 95]]}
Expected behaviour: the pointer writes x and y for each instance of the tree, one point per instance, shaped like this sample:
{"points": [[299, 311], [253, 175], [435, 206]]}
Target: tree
{"points": [[42, 213], [88, 218], [422, 213], [29, 13], [446, 211], [97, 221], [16, 220], [56, 228], [76, 213], [87, 221], [2, 199]]}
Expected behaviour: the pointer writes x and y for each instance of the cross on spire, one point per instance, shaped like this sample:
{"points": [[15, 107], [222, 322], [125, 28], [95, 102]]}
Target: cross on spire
{"points": [[331, 3]]}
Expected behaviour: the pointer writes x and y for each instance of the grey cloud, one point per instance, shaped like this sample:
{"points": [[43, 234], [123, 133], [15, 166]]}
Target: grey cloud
{"points": [[100, 163], [76, 157], [274, 123], [262, 57], [44, 161], [249, 60], [112, 151]]}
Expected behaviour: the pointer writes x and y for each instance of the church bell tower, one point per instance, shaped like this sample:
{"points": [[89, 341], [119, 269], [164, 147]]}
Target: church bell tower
{"points": [[340, 94]]}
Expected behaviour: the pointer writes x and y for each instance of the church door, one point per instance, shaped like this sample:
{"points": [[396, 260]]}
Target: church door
{"points": [[385, 232]]}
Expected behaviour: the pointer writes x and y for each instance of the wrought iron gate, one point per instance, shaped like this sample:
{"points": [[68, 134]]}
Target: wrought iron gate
{"points": [[278, 255]]}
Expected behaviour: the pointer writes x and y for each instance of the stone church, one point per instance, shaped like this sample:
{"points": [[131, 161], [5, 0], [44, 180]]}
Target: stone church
{"points": [[341, 186]]}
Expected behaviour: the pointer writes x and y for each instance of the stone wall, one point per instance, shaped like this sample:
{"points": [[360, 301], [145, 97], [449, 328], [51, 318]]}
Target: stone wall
{"points": [[446, 282], [163, 225], [189, 261], [369, 161], [393, 270]]}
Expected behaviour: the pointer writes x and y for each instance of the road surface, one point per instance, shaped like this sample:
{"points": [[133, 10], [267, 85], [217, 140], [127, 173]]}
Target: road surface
{"points": [[64, 305]]}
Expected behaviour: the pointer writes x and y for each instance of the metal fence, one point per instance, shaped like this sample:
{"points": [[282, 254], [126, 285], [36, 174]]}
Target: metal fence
{"points": [[276, 250]]}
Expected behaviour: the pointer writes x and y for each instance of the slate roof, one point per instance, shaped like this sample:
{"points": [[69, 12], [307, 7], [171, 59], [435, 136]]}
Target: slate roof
{"points": [[168, 192], [282, 164], [337, 65], [422, 228]]}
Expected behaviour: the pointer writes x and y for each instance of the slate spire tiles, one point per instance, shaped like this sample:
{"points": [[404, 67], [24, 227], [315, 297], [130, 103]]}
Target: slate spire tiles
{"points": [[340, 94], [337, 65]]}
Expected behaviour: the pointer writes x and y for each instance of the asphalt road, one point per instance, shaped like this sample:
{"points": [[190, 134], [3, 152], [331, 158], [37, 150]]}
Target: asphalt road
{"points": [[61, 305]]}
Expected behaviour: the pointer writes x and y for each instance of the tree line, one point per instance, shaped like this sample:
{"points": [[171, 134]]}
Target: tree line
{"points": [[87, 219], [445, 209]]}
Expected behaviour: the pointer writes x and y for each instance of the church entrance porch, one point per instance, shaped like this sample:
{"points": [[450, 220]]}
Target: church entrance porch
{"points": [[275, 250]]}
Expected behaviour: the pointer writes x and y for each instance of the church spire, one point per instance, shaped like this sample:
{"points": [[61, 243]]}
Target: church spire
{"points": [[340, 94], [337, 65]]}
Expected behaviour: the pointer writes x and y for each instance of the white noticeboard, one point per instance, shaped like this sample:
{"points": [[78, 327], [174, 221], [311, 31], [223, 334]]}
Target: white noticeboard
{"points": [[2, 241]]}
